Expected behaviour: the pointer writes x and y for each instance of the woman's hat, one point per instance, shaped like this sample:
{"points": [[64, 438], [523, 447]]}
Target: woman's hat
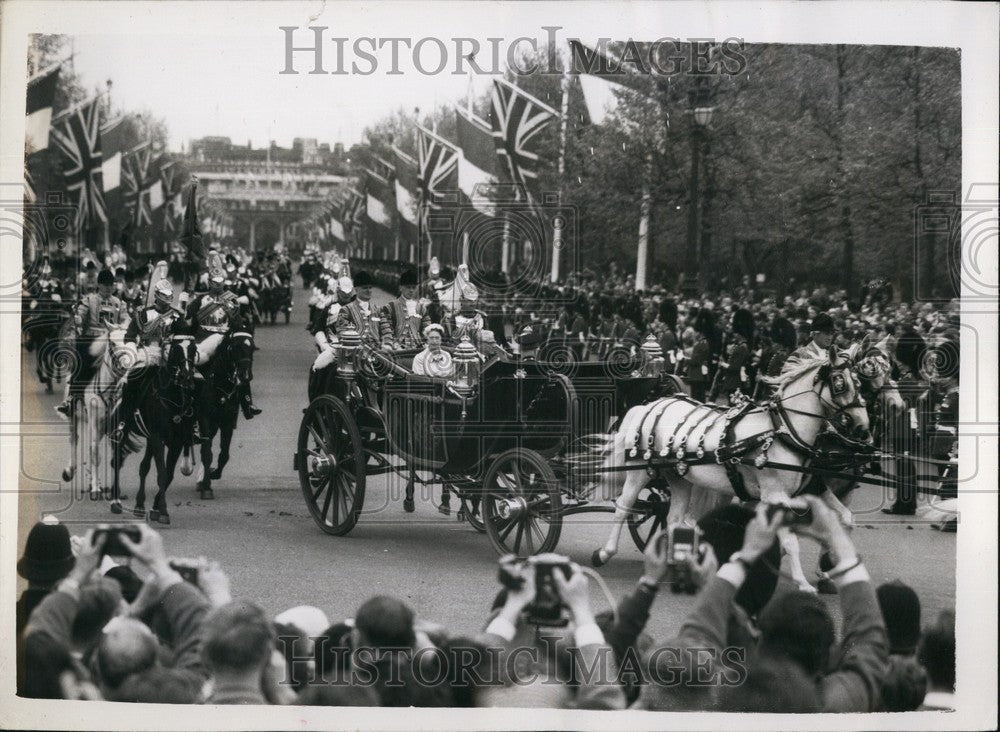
{"points": [[47, 553]]}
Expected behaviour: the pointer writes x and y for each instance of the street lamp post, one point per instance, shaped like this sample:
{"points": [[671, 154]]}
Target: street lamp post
{"points": [[701, 116]]}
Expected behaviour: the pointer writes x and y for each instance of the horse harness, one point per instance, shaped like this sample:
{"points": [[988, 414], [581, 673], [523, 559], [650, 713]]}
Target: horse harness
{"points": [[730, 453]]}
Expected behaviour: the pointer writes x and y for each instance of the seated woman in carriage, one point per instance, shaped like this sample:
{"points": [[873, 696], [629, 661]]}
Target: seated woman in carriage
{"points": [[433, 360]]}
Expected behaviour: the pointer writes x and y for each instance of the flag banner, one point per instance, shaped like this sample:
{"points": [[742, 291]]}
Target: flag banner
{"points": [[78, 138], [438, 164], [135, 167], [156, 194], [168, 181], [517, 119], [191, 233], [41, 94], [114, 143], [601, 95], [477, 166], [407, 187], [379, 192]]}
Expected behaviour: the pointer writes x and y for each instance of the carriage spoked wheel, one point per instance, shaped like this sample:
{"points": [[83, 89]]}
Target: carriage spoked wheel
{"points": [[649, 514], [331, 465], [522, 504]]}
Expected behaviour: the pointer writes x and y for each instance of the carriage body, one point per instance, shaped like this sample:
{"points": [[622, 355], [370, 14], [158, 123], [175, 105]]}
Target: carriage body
{"points": [[520, 417]]}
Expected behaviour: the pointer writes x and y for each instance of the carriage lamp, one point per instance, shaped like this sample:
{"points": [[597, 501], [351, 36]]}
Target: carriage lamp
{"points": [[652, 361], [466, 360], [347, 346]]}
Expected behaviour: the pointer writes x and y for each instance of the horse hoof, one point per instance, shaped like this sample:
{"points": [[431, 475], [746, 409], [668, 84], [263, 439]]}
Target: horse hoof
{"points": [[163, 519], [597, 558], [139, 512], [116, 507], [207, 494], [154, 515]]}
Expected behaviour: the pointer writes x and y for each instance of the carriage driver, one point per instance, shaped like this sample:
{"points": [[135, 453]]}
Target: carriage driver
{"points": [[821, 334], [361, 314], [405, 318], [214, 314], [96, 313]]}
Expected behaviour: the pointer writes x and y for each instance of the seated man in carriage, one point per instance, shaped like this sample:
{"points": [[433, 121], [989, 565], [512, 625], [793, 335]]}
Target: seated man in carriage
{"points": [[405, 319], [324, 330], [95, 314]]}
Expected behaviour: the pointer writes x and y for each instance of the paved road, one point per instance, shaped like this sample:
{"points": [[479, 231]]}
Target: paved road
{"points": [[258, 526]]}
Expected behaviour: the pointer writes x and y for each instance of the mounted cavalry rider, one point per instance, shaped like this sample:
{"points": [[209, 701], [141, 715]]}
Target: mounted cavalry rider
{"points": [[361, 314], [149, 329], [213, 315], [405, 318], [468, 320], [95, 315]]}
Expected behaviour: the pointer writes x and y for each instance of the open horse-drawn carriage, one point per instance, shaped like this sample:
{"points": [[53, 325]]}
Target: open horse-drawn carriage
{"points": [[508, 438]]}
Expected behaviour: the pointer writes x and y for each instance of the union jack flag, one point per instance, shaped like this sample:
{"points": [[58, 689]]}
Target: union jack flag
{"points": [[517, 119], [135, 171], [170, 212], [79, 139], [438, 164]]}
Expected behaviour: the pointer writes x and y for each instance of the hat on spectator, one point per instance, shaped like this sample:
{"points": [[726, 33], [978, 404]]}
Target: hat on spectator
{"points": [[901, 611], [310, 620], [363, 279], [48, 556]]}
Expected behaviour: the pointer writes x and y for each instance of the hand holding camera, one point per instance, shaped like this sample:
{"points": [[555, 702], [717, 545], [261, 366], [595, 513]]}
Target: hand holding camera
{"points": [[89, 555], [827, 529]]}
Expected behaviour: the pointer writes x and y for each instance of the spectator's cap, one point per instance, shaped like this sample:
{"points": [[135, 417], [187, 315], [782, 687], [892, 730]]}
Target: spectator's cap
{"points": [[408, 278], [105, 277], [345, 285], [432, 328], [363, 279], [48, 556], [901, 612], [528, 338], [310, 620], [470, 293], [822, 323]]}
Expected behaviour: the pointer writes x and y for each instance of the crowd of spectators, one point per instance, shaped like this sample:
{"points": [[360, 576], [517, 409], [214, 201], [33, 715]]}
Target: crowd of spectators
{"points": [[141, 626]]}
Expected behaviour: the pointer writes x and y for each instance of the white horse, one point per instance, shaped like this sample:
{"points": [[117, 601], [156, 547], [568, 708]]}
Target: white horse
{"points": [[701, 445], [89, 415]]}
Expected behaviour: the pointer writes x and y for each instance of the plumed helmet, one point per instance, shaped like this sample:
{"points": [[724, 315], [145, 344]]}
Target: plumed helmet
{"points": [[408, 278], [435, 267], [163, 291], [743, 324], [345, 285], [470, 292]]}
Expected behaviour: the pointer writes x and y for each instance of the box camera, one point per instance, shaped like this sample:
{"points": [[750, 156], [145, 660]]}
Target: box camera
{"points": [[681, 544], [113, 545], [547, 607]]}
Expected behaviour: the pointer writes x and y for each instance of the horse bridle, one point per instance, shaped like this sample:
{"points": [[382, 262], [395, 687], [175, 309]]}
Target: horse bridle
{"points": [[837, 410]]}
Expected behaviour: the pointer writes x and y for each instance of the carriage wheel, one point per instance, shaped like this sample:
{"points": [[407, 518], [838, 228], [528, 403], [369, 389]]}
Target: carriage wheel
{"points": [[522, 504], [649, 514], [331, 465]]}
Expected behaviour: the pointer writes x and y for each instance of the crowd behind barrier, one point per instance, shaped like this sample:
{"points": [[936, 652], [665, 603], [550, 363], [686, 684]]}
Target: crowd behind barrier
{"points": [[130, 623]]}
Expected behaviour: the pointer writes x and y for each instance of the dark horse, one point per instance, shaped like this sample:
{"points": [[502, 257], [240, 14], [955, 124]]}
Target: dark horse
{"points": [[164, 415], [219, 404]]}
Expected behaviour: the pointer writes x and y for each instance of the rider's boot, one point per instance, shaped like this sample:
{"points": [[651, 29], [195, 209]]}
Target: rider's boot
{"points": [[445, 506], [250, 410]]}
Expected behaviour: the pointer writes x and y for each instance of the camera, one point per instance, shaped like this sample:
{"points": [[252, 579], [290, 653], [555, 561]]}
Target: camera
{"points": [[547, 607], [790, 515], [186, 568], [113, 545], [681, 543]]}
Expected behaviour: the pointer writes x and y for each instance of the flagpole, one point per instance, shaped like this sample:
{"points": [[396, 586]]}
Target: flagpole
{"points": [[557, 234], [645, 208]]}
